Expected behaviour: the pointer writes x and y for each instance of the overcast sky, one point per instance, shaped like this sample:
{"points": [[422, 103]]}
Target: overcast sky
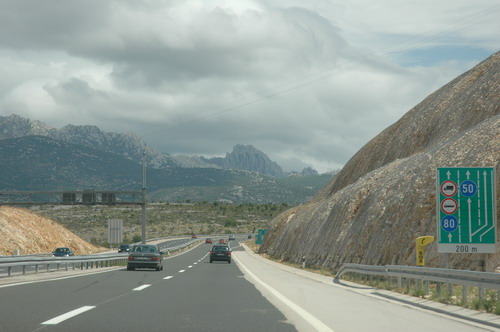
{"points": [[306, 82]]}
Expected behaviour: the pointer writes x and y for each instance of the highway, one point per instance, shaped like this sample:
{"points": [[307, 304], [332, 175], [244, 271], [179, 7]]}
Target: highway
{"points": [[191, 294]]}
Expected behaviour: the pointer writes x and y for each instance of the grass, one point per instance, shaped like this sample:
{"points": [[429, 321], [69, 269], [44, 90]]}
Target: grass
{"points": [[438, 293]]}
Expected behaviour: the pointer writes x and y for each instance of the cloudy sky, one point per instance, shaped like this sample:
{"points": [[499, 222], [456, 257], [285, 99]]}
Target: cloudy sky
{"points": [[307, 82]]}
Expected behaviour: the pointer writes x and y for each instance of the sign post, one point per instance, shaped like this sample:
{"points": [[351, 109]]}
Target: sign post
{"points": [[466, 211], [420, 243]]}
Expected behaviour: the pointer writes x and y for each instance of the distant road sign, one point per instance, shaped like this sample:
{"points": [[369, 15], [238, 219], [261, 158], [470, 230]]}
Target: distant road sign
{"points": [[467, 213]]}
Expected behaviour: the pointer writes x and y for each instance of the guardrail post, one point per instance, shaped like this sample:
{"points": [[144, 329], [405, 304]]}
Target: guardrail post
{"points": [[36, 268], [481, 294], [57, 266], [9, 270], [464, 294], [400, 282], [24, 269], [426, 287], [48, 267], [438, 289], [449, 289], [66, 268]]}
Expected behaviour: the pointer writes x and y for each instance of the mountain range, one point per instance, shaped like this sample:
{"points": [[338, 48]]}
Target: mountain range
{"points": [[36, 156]]}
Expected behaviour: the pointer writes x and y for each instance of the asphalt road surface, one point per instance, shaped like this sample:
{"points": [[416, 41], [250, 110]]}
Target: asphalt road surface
{"points": [[191, 294]]}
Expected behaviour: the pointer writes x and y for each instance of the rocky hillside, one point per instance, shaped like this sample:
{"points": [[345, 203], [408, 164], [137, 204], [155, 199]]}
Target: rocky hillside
{"points": [[248, 158], [28, 233], [384, 197]]}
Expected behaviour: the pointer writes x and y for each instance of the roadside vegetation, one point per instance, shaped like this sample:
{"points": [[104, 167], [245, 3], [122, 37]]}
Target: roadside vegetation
{"points": [[163, 219], [438, 292]]}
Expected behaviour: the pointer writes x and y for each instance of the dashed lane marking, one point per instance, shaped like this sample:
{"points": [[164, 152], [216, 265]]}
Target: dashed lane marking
{"points": [[68, 315], [141, 287]]}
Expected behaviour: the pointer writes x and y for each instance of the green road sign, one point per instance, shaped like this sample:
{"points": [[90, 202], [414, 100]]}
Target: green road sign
{"points": [[466, 211]]}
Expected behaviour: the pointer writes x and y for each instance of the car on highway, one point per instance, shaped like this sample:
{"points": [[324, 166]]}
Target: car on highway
{"points": [[208, 240], [220, 253], [62, 252], [222, 241], [147, 256], [124, 248], [194, 236], [232, 238]]}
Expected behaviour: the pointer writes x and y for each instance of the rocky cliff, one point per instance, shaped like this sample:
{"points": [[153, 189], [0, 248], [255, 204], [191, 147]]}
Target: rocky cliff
{"points": [[248, 158], [384, 197]]}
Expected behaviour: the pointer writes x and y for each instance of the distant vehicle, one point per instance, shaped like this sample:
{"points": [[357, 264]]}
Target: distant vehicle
{"points": [[194, 236], [62, 252], [124, 248], [148, 256], [223, 241], [208, 240], [232, 238], [249, 236], [220, 253]]}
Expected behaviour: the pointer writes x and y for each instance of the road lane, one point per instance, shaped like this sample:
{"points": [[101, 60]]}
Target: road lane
{"points": [[210, 297]]}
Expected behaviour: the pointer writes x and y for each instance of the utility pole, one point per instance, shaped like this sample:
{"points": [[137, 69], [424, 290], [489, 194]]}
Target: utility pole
{"points": [[143, 218]]}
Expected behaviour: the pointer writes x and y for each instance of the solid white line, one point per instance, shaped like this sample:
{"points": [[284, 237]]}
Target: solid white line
{"points": [[182, 271], [190, 266], [58, 319], [316, 323], [169, 277], [141, 287]]}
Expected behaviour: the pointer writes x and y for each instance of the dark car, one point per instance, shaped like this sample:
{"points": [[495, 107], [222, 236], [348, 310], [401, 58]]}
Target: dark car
{"points": [[208, 240], [62, 252], [147, 256], [124, 248], [232, 238], [220, 253]]}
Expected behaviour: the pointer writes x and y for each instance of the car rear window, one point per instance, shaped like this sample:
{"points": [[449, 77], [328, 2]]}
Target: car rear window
{"points": [[220, 248], [144, 249]]}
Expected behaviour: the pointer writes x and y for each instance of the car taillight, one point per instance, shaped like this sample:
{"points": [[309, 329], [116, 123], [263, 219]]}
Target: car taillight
{"points": [[211, 252], [229, 253], [154, 258], [130, 258]]}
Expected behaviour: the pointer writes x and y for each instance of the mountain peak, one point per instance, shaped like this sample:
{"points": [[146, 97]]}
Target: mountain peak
{"points": [[247, 157]]}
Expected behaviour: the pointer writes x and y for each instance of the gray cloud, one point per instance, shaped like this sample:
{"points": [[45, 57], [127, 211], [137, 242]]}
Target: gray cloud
{"points": [[309, 83]]}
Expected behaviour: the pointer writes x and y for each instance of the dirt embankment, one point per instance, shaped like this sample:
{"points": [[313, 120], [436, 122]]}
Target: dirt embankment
{"points": [[24, 231]]}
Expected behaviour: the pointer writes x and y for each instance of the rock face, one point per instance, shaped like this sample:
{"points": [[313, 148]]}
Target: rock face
{"points": [[247, 157], [384, 197]]}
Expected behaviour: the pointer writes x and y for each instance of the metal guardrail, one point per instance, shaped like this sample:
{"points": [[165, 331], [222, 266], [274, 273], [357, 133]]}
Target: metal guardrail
{"points": [[74, 262], [80, 262], [464, 278]]}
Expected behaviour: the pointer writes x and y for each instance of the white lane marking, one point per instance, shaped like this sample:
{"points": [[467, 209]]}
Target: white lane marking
{"points": [[318, 325], [73, 313], [195, 263], [169, 277], [190, 266], [182, 271], [141, 287]]}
